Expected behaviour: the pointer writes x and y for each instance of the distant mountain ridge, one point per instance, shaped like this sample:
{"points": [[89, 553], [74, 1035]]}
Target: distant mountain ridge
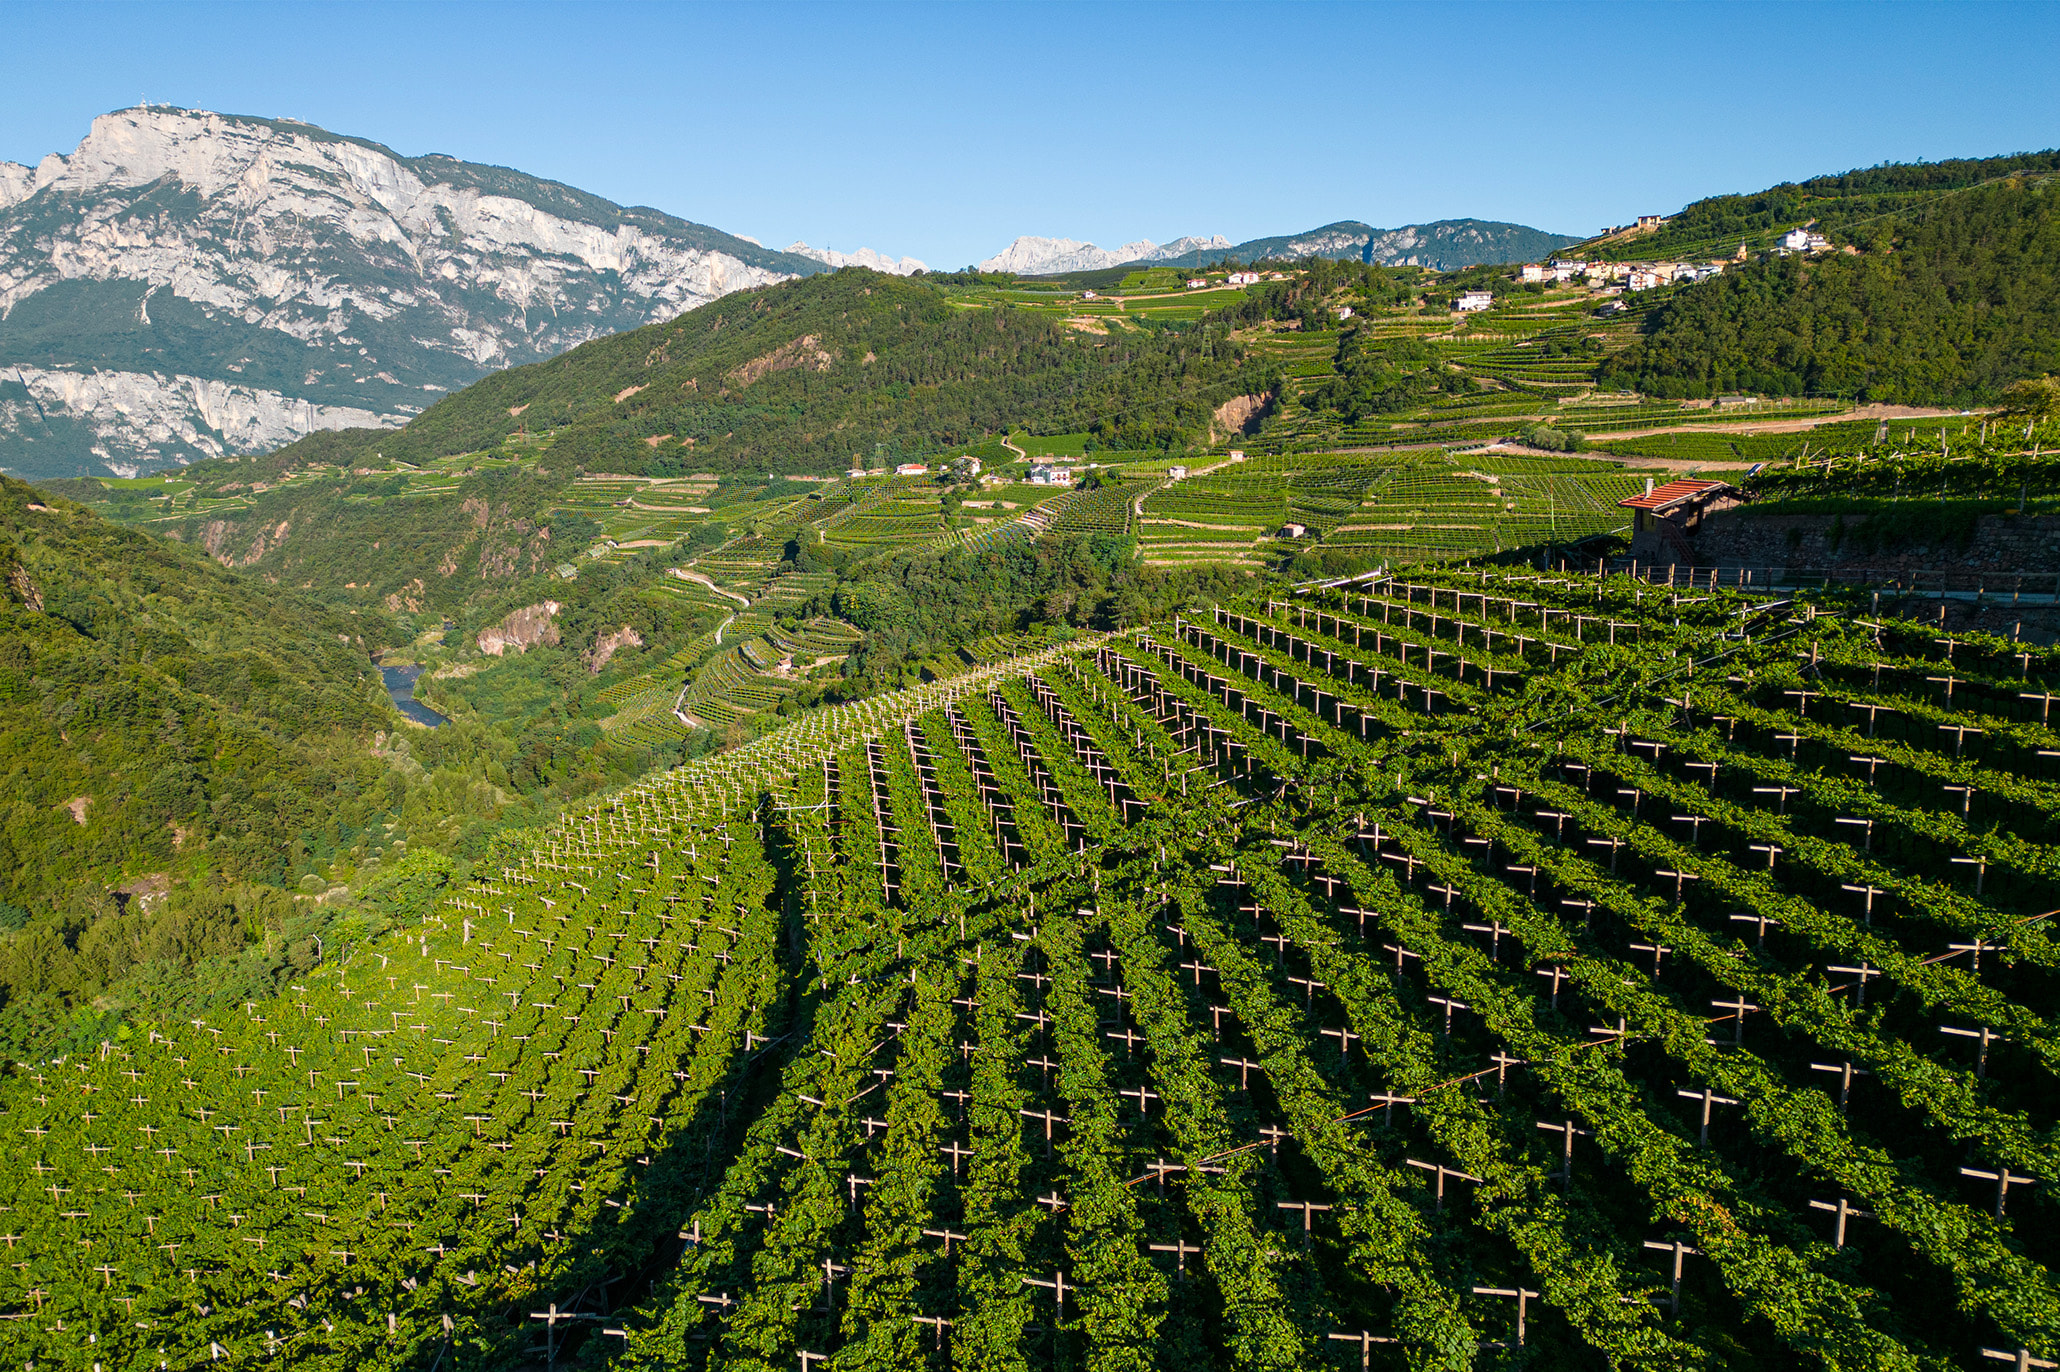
{"points": [[187, 284], [1446, 245], [1031, 256], [861, 257]]}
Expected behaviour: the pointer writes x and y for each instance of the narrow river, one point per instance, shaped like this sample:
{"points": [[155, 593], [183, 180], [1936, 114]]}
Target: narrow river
{"points": [[400, 684]]}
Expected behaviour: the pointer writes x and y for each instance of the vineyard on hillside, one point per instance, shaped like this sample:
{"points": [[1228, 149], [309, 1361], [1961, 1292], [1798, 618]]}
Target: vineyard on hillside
{"points": [[1482, 969]]}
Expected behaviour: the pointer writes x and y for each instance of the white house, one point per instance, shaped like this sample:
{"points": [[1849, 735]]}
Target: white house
{"points": [[1176, 473], [1344, 311], [911, 469], [1802, 240], [1045, 474], [1087, 295], [1470, 301], [1244, 278], [1644, 279], [855, 473], [1533, 272], [1292, 531], [1195, 283]]}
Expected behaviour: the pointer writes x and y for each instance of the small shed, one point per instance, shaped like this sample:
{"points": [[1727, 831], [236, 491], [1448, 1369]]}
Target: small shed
{"points": [[1667, 517]]}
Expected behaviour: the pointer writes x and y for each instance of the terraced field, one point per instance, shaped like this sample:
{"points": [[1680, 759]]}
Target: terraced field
{"points": [[1472, 970]]}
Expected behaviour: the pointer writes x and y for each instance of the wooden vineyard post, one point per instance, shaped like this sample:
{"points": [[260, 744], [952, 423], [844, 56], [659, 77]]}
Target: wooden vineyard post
{"points": [[1365, 1341], [1523, 1299], [1680, 1252]]}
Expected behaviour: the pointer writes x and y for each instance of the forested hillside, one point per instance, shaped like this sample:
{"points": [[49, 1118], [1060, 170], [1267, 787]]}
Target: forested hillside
{"points": [[203, 774], [1946, 303], [156, 707], [1843, 203], [808, 375]]}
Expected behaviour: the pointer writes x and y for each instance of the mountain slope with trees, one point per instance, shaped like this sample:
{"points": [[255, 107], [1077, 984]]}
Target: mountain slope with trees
{"points": [[808, 375], [186, 284], [1944, 303], [1837, 203]]}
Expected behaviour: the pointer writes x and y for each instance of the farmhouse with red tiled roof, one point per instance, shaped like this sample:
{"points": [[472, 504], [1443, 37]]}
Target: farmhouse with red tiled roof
{"points": [[1668, 516]]}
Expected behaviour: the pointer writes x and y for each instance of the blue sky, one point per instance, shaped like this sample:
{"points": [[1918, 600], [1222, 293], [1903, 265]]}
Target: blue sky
{"points": [[942, 131]]}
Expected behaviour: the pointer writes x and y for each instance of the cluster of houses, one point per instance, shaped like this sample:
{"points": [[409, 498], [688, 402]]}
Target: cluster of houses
{"points": [[1637, 276]]}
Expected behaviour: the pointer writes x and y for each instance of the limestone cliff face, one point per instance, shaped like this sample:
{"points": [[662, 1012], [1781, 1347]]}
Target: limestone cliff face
{"points": [[522, 630], [187, 284], [606, 646]]}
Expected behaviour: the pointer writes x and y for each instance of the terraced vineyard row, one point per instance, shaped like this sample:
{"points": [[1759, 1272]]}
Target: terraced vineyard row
{"points": [[1477, 969]]}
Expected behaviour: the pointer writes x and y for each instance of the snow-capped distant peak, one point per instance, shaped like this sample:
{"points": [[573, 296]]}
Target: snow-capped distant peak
{"points": [[1032, 256], [863, 257]]}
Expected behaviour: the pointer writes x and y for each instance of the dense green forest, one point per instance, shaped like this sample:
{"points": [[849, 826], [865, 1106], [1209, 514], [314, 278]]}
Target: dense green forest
{"points": [[807, 375], [177, 708], [1947, 305], [198, 763], [415, 552], [1844, 203], [913, 605]]}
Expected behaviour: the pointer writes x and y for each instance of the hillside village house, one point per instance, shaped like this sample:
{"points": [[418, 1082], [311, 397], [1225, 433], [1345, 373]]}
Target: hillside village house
{"points": [[911, 469], [1244, 278], [1532, 271], [1045, 474], [1470, 301], [1651, 221], [1176, 473], [1644, 279], [1666, 517], [1196, 283], [1802, 240]]}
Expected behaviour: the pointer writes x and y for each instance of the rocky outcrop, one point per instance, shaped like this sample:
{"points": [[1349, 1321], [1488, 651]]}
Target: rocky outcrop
{"points": [[805, 351], [521, 630], [279, 278], [1239, 415], [607, 646]]}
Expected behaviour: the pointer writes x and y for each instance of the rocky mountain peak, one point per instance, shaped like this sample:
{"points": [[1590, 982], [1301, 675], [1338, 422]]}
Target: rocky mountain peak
{"points": [[863, 257], [183, 265]]}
